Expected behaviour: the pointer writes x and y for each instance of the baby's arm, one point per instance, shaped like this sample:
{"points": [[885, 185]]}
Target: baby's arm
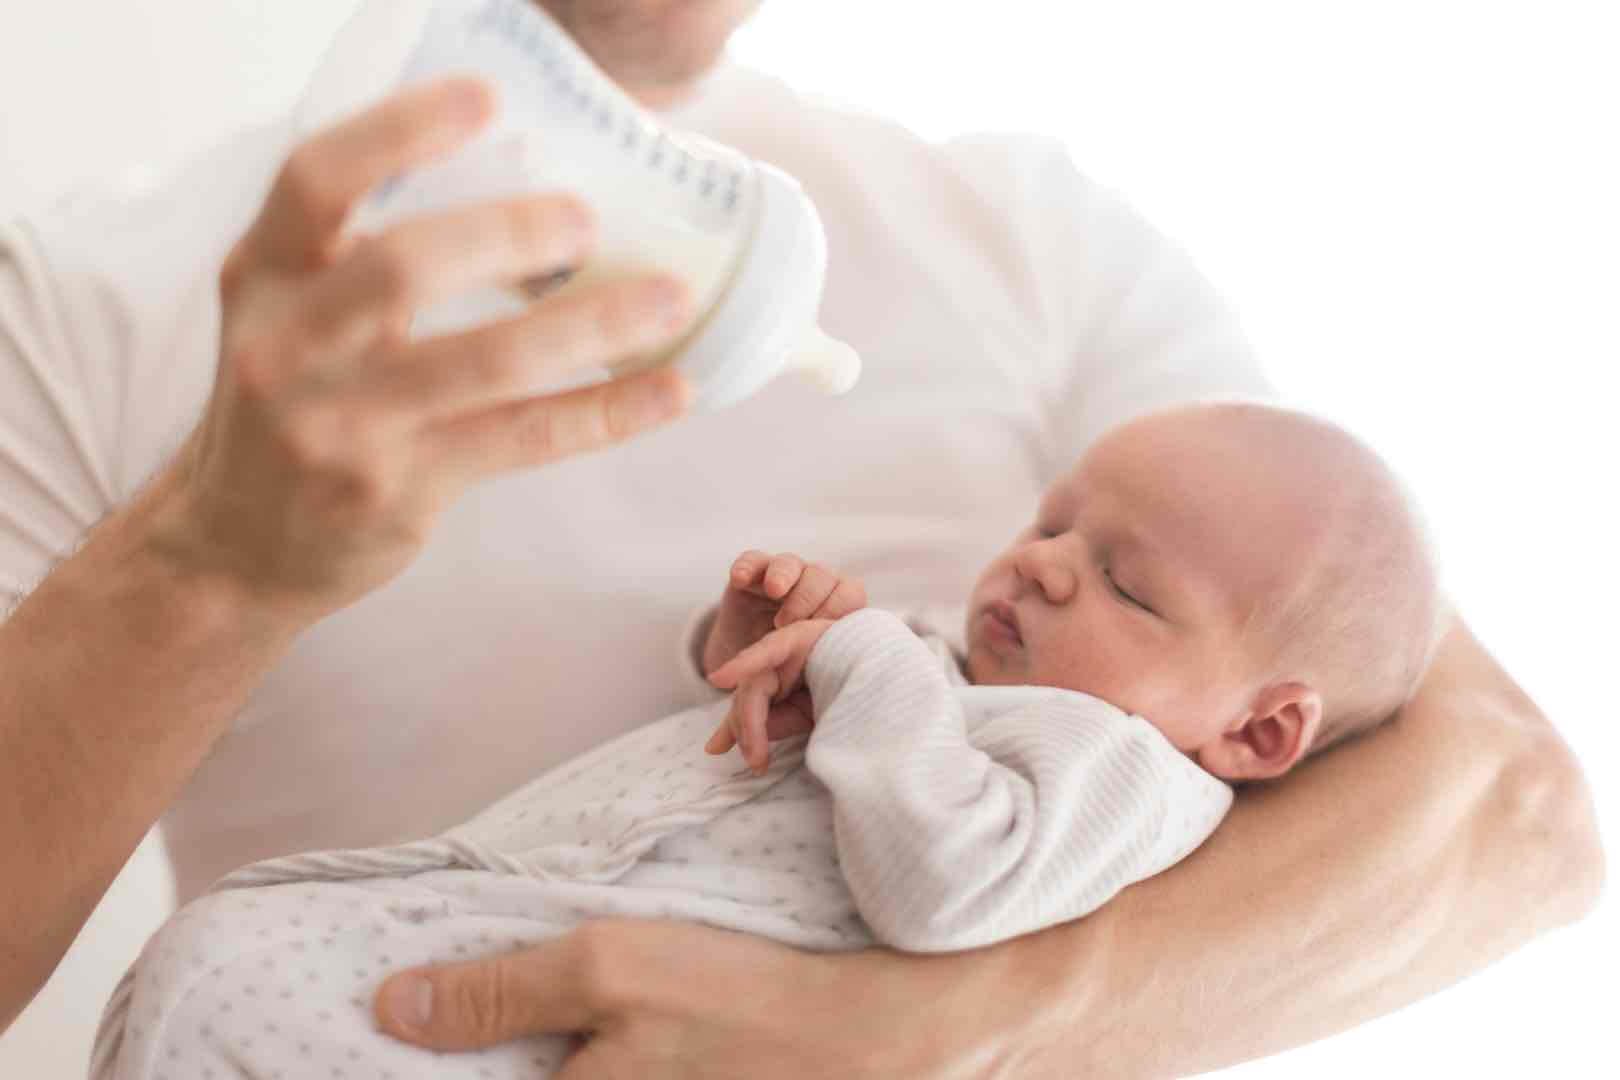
{"points": [[948, 846]]}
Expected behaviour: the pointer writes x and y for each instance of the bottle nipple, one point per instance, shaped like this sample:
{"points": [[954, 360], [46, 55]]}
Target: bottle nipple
{"points": [[828, 363]]}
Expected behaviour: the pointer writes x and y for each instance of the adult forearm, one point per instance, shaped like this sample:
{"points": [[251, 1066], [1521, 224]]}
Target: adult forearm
{"points": [[1380, 873], [116, 676]]}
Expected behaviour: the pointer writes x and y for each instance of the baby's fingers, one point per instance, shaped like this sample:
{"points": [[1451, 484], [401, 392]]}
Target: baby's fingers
{"points": [[816, 584], [766, 654], [748, 571], [722, 739], [850, 595], [782, 574], [793, 715], [745, 725], [752, 705]]}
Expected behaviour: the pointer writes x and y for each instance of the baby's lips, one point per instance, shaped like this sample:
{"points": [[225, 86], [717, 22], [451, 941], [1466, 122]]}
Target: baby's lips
{"points": [[1005, 617]]}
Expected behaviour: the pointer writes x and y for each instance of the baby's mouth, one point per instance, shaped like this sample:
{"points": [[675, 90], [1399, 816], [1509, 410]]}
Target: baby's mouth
{"points": [[1000, 621]]}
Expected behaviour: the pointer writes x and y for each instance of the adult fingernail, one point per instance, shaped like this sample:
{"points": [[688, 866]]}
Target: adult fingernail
{"points": [[409, 1002]]}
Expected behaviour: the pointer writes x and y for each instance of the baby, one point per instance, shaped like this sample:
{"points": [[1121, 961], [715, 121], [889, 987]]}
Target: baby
{"points": [[1213, 593], [1251, 581]]}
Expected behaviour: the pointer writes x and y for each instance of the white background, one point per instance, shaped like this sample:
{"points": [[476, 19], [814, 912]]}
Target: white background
{"points": [[1412, 204]]}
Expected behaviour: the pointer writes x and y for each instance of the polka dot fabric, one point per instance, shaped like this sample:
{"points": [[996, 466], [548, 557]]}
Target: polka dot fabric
{"points": [[921, 812], [273, 974]]}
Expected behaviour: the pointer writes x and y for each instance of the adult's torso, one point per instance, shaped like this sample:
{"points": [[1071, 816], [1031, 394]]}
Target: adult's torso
{"points": [[542, 617]]}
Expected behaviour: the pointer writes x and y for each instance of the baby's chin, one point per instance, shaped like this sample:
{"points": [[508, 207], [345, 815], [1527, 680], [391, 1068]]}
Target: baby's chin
{"points": [[985, 668]]}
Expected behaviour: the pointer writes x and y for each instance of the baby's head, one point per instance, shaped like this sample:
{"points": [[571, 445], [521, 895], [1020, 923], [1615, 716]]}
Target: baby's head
{"points": [[1251, 580]]}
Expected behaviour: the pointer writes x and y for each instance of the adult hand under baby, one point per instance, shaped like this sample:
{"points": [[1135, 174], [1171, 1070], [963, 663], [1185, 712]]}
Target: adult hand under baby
{"points": [[764, 1008]]}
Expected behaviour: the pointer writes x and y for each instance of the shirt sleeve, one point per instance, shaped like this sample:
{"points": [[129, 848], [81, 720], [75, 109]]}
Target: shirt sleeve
{"points": [[949, 842], [688, 661], [55, 476], [109, 324], [1131, 322]]}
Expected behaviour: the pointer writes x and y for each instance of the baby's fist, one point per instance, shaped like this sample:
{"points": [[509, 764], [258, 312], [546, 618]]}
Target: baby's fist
{"points": [[804, 590], [767, 592]]}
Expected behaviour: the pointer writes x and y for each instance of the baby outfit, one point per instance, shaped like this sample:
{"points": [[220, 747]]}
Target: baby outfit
{"points": [[921, 813]]}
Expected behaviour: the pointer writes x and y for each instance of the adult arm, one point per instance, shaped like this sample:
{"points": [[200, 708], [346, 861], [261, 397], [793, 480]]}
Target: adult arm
{"points": [[1376, 875], [328, 447], [116, 675]]}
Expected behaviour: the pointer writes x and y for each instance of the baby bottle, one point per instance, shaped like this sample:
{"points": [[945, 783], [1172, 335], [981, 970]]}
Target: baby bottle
{"points": [[742, 235]]}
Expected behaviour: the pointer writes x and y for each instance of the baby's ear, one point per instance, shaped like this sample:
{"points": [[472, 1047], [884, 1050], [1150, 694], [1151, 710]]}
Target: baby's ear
{"points": [[1277, 730]]}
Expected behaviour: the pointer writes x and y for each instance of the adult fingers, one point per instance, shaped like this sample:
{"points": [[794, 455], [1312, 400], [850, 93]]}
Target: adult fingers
{"points": [[538, 430], [422, 260], [324, 176], [546, 988], [815, 585], [512, 359]]}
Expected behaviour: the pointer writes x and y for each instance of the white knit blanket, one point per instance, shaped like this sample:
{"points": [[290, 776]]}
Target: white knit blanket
{"points": [[921, 813]]}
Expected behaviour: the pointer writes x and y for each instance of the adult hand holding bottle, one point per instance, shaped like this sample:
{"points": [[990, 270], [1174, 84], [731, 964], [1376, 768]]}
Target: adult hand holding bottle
{"points": [[332, 440]]}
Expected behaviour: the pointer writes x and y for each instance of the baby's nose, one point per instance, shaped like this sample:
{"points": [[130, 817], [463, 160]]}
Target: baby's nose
{"points": [[1048, 569]]}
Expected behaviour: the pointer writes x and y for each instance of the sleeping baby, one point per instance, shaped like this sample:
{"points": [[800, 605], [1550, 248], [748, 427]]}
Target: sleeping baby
{"points": [[1213, 593]]}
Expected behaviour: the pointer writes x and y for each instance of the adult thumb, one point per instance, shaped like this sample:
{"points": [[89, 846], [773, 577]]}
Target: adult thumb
{"points": [[468, 1006]]}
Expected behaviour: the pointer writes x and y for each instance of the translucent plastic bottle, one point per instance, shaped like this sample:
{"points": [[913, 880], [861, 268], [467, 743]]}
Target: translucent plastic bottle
{"points": [[741, 234]]}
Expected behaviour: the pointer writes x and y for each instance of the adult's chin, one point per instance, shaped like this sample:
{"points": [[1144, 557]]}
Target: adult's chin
{"points": [[655, 49]]}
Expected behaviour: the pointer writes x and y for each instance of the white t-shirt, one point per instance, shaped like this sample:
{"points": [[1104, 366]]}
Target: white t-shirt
{"points": [[1007, 310]]}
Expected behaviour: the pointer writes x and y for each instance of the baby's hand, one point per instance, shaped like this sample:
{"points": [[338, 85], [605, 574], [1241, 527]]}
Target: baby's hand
{"points": [[771, 700], [767, 592]]}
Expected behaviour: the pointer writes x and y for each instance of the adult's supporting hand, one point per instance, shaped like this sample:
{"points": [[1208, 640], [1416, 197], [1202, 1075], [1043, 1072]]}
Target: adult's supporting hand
{"points": [[332, 441], [663, 1000]]}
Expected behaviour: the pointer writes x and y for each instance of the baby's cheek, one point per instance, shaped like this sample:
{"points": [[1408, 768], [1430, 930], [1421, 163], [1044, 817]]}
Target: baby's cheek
{"points": [[1107, 668], [983, 666], [1191, 707]]}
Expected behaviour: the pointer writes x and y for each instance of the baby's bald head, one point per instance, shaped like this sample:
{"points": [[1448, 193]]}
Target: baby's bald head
{"points": [[1353, 605], [1252, 581]]}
